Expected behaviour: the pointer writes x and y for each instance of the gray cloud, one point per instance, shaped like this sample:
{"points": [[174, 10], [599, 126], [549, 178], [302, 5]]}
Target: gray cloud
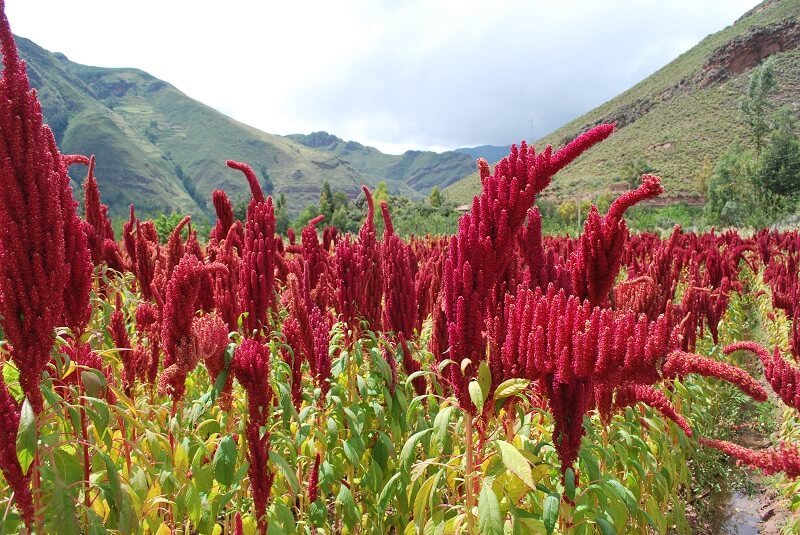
{"points": [[416, 74]]}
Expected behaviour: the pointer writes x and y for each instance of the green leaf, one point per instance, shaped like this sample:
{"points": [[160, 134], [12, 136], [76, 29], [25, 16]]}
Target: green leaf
{"points": [[119, 501], [605, 526], [489, 520], [423, 497], [11, 378], [26, 436], [569, 484], [476, 395], [510, 387], [286, 470], [349, 508], [515, 462], [407, 453], [550, 511], [224, 462], [441, 424], [61, 513], [389, 491]]}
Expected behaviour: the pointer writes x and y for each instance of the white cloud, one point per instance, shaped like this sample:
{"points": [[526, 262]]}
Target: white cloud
{"points": [[397, 75]]}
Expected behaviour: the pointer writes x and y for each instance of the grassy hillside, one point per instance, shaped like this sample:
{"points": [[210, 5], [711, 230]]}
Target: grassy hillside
{"points": [[683, 115], [164, 152], [412, 173]]}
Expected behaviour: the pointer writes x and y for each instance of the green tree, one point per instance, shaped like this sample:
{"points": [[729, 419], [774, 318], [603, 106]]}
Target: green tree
{"points": [[326, 205], [731, 196], [756, 107], [282, 219], [435, 197], [702, 177], [340, 199], [381, 192], [633, 170], [778, 172], [266, 181], [165, 224]]}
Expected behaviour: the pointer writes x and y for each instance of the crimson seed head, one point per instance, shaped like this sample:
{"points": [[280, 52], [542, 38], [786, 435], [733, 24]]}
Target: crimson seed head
{"points": [[785, 458], [257, 268], [251, 367], [43, 256], [313, 481], [181, 351]]}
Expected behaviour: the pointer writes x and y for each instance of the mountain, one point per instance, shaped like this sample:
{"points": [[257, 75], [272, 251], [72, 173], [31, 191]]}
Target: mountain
{"points": [[684, 116], [163, 151], [413, 172], [490, 153]]}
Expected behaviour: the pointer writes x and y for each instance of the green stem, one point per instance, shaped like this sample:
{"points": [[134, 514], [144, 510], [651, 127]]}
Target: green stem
{"points": [[470, 495]]}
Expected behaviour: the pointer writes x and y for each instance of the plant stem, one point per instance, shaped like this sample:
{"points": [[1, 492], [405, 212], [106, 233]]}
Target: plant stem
{"points": [[85, 439], [468, 474]]}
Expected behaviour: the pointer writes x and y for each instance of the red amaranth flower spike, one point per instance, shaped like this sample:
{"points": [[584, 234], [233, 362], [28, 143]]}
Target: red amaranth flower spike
{"points": [[181, 351], [225, 218], [785, 458], [631, 394], [252, 179], [313, 481], [34, 270], [783, 377], [598, 258], [119, 334], [400, 313], [480, 254], [73, 159], [99, 225], [680, 363], [212, 335], [257, 268], [252, 369]]}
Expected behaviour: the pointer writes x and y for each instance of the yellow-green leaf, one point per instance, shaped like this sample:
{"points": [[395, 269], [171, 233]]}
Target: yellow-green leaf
{"points": [[515, 462]]}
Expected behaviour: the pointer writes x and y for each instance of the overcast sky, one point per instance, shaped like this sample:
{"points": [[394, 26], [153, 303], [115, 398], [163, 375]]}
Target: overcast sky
{"points": [[420, 74]]}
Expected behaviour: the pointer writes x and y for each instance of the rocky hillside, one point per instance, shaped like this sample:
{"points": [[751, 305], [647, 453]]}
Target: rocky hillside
{"points": [[163, 151], [684, 116]]}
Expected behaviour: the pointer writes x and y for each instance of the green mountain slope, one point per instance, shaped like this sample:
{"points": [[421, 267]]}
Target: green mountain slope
{"points": [[412, 173], [682, 116], [163, 151]]}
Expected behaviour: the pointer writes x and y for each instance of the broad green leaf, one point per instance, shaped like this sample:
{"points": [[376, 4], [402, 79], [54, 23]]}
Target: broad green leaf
{"points": [[61, 512], [489, 520], [407, 453], [224, 462], [350, 512], [286, 470], [441, 424], [510, 387], [605, 526], [26, 436], [515, 462], [476, 395], [550, 511], [423, 497], [569, 484], [389, 491]]}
